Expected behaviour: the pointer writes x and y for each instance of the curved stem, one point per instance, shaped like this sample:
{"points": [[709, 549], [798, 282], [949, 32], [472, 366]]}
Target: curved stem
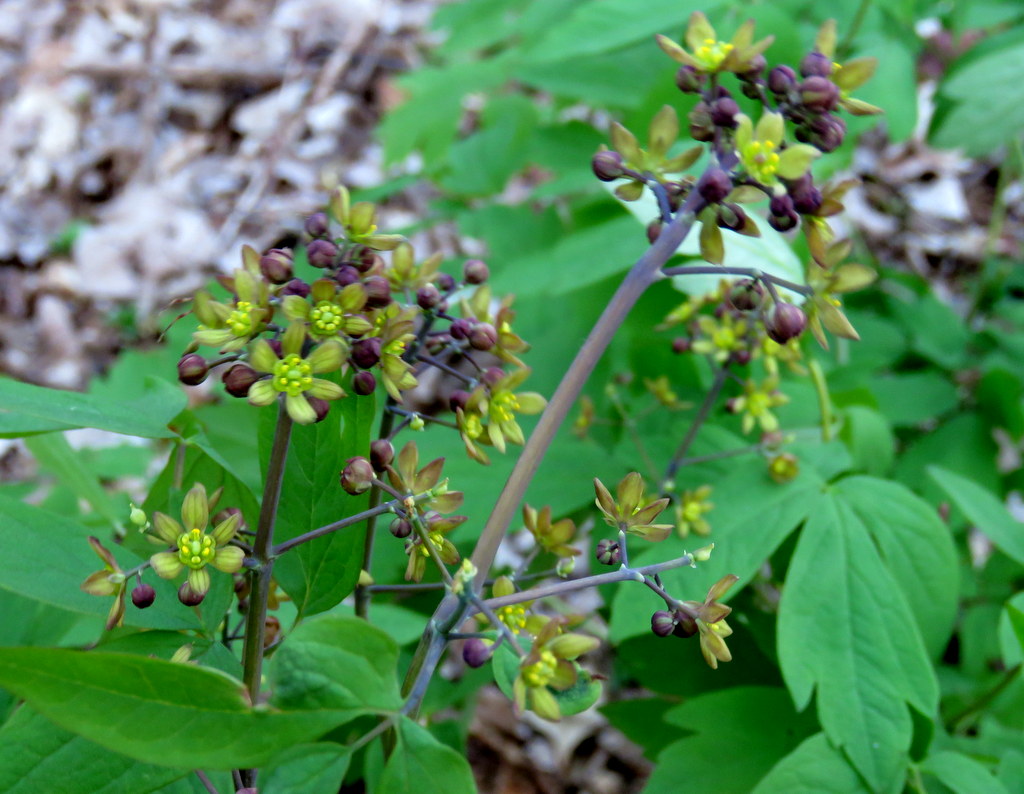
{"points": [[698, 420], [749, 272], [327, 529]]}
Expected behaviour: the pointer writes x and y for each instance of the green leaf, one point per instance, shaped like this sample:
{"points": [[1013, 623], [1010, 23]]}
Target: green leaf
{"points": [[1011, 631], [984, 511], [908, 399], [962, 774], [54, 453], [306, 769], [155, 711], [420, 763], [718, 721], [869, 439], [26, 409], [336, 662], [815, 767], [845, 628], [37, 754], [319, 574]]}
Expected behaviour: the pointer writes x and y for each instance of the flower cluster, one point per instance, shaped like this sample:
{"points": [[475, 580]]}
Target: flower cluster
{"points": [[706, 618]]}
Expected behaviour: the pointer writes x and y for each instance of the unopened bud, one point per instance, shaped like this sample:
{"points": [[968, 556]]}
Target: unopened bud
{"points": [[188, 596], [819, 94], [320, 407], [688, 79], [781, 80], [445, 282], [685, 626], [143, 595], [703, 554], [346, 275], [382, 452], [317, 225], [816, 64], [662, 623], [378, 291], [731, 216], [461, 328], [357, 476], [785, 321], [607, 166], [238, 379], [400, 528], [702, 127], [476, 652], [458, 399], [608, 552], [654, 231], [192, 369], [427, 297], [475, 271], [723, 112], [714, 185], [366, 352], [681, 344], [746, 295], [137, 516], [492, 375], [296, 287], [276, 265], [364, 383], [827, 132], [483, 336], [321, 253]]}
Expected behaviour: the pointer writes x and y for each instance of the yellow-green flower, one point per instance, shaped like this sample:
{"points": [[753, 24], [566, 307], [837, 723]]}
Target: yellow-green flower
{"points": [[395, 326], [514, 615], [708, 54], [720, 336], [508, 343], [436, 526], [108, 582], [405, 274], [690, 512], [756, 404], [360, 222], [627, 512], [849, 75], [230, 326], [407, 478], [550, 536], [832, 279], [291, 375], [195, 548], [490, 414], [710, 617], [761, 152], [330, 311], [549, 668]]}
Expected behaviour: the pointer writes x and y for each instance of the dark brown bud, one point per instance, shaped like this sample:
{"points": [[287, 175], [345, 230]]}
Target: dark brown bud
{"points": [[785, 321], [296, 287], [400, 528], [364, 383], [366, 260], [475, 271], [702, 127], [461, 328], [826, 132], [458, 399], [819, 94], [378, 292], [427, 297], [492, 375], [271, 630], [238, 379], [681, 344], [816, 64], [445, 282], [689, 80], [608, 552], [188, 596], [714, 185], [653, 231], [366, 352], [607, 166], [476, 652], [321, 253], [746, 295], [346, 275], [731, 216], [686, 626], [317, 225], [755, 68], [320, 407], [781, 80], [741, 357], [192, 369], [382, 452], [143, 595], [723, 112], [662, 623], [276, 265], [357, 476], [483, 336], [806, 197]]}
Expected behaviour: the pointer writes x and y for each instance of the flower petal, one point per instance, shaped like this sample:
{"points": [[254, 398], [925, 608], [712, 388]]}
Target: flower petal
{"points": [[199, 580], [262, 357], [228, 559], [226, 529], [293, 338], [299, 409], [166, 564], [195, 510], [295, 308], [166, 528], [326, 357], [99, 584], [262, 392]]}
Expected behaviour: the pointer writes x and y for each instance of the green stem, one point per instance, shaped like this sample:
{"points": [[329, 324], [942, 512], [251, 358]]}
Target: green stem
{"points": [[259, 578], [843, 49], [362, 594], [698, 420]]}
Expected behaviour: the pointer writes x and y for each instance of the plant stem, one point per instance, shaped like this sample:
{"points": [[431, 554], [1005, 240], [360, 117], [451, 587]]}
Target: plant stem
{"points": [[749, 272], [387, 420], [327, 529], [259, 578], [698, 420], [206, 781]]}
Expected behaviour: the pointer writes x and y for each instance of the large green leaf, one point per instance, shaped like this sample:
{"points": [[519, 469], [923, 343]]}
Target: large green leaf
{"points": [[815, 767], [39, 757], [846, 629], [983, 510], [421, 764], [962, 774], [54, 453], [156, 711], [336, 662], [319, 574], [26, 409], [306, 769], [722, 720]]}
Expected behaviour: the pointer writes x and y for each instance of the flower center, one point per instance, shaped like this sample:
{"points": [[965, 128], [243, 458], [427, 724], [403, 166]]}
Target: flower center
{"points": [[241, 322], [542, 671], [472, 426], [513, 616], [761, 160], [396, 347], [711, 53], [325, 319], [292, 375], [436, 540], [504, 404], [692, 511], [195, 548]]}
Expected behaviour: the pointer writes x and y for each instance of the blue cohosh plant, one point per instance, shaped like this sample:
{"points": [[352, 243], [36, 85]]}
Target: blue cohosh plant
{"points": [[378, 319]]}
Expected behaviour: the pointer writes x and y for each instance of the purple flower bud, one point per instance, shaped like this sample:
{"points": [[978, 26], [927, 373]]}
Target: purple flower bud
{"points": [[653, 231], [364, 383], [492, 375], [476, 652], [608, 552], [143, 595], [382, 452], [685, 626], [662, 623], [428, 296], [732, 217], [317, 225], [681, 344], [741, 357], [368, 260], [347, 275], [321, 253], [714, 185], [475, 271], [483, 336], [192, 369], [445, 282], [238, 379], [378, 292], [781, 215], [296, 287], [400, 528], [607, 165], [320, 407], [827, 132], [458, 399], [806, 197], [688, 79], [755, 67], [188, 596], [461, 328], [366, 352], [746, 295], [819, 94], [723, 112], [276, 265], [816, 64], [357, 476], [781, 80], [785, 321], [702, 127]]}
